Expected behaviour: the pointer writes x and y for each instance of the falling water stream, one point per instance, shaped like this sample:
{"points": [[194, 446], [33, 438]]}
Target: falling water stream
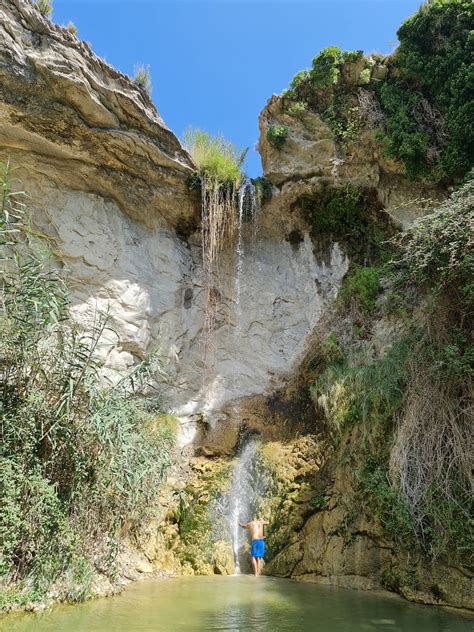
{"points": [[241, 497], [247, 487], [247, 206]]}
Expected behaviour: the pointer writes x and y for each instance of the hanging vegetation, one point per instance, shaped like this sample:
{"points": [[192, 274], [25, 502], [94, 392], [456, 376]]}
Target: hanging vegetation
{"points": [[219, 174]]}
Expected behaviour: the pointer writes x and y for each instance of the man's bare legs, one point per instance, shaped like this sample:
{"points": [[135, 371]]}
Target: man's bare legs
{"points": [[255, 566]]}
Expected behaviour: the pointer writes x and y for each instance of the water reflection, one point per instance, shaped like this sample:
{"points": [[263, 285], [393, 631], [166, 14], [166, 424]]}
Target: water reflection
{"points": [[242, 604]]}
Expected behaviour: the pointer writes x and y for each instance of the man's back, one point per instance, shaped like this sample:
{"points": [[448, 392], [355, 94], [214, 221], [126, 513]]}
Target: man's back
{"points": [[256, 529]]}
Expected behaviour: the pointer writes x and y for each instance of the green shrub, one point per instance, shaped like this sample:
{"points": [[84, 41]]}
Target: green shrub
{"points": [[301, 77], [297, 109], [362, 287], [71, 27], [351, 56], [318, 503], [45, 7], [436, 251], [325, 68], [77, 461], [264, 188], [300, 87], [350, 215], [383, 499], [277, 135], [402, 137], [430, 97], [214, 156], [364, 76], [142, 77], [323, 89], [350, 392], [331, 350]]}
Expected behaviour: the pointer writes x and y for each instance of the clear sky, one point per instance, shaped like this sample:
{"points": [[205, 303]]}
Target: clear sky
{"points": [[214, 63]]}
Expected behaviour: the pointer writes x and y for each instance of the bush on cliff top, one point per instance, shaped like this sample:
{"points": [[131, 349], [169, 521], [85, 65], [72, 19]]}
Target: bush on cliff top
{"points": [[425, 106], [432, 86], [216, 157], [142, 77], [45, 7], [320, 88]]}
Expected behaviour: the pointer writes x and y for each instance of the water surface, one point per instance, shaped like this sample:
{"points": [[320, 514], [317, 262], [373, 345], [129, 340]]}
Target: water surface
{"points": [[239, 604]]}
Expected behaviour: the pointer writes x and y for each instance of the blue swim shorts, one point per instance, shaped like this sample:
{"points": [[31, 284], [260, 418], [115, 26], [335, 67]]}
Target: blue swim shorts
{"points": [[258, 548]]}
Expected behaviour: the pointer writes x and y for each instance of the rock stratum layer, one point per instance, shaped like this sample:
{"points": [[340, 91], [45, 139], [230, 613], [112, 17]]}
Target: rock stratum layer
{"points": [[88, 126]]}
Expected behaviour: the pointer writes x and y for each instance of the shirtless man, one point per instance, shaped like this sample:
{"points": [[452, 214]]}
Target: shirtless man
{"points": [[255, 527]]}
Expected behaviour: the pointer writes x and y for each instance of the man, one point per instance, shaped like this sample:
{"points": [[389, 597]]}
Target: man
{"points": [[256, 528]]}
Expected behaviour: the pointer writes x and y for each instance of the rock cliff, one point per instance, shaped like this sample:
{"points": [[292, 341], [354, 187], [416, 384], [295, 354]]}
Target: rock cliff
{"points": [[107, 181], [320, 532], [310, 158]]}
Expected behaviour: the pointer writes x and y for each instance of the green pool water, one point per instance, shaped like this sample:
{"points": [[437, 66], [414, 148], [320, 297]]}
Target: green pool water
{"points": [[239, 603]]}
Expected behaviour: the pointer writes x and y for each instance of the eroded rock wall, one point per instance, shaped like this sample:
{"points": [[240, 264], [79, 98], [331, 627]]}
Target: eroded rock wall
{"points": [[320, 530], [310, 158], [107, 182]]}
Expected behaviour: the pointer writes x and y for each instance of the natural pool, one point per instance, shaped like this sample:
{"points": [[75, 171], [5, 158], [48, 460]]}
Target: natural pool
{"points": [[239, 603]]}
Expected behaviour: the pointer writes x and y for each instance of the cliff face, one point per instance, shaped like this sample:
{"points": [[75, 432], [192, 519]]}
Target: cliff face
{"points": [[107, 181], [321, 529], [88, 126], [310, 159]]}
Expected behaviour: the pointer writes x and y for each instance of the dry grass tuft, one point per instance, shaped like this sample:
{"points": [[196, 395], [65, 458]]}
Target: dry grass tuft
{"points": [[432, 452]]}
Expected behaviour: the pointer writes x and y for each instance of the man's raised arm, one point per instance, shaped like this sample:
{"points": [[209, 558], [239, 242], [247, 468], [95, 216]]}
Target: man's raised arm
{"points": [[244, 526]]}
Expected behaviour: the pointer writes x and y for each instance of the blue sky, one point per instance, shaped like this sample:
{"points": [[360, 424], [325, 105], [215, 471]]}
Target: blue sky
{"points": [[215, 63]]}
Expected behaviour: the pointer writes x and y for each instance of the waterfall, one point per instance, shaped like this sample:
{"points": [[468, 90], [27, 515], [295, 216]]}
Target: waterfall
{"points": [[245, 490], [247, 203], [248, 487]]}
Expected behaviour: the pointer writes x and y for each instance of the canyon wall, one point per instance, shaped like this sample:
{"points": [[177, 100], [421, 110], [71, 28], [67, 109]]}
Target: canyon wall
{"points": [[107, 182]]}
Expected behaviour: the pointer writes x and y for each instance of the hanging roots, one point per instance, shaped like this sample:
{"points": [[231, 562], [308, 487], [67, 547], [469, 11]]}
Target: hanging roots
{"points": [[431, 460], [370, 109], [219, 216]]}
